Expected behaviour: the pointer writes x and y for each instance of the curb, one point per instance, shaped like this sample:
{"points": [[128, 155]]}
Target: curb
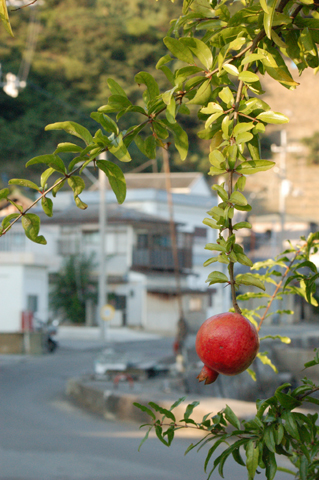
{"points": [[111, 404]]}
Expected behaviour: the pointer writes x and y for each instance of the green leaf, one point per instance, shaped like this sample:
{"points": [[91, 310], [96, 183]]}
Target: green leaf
{"points": [[54, 161], [212, 118], [145, 409], [272, 117], [211, 223], [269, 438], [249, 279], [252, 454], [268, 18], [254, 166], [266, 361], [171, 110], [77, 184], [177, 403], [150, 147], [179, 50], [162, 61], [189, 409], [231, 69], [159, 434], [217, 277], [216, 158], [145, 438], [16, 205], [290, 424], [163, 411], [252, 374], [180, 138], [243, 137], [116, 178], [244, 260], [221, 192], [58, 185], [107, 123], [242, 127], [4, 193], [215, 247], [151, 85], [248, 77], [7, 220], [73, 128], [203, 94], [24, 183], [47, 206], [238, 198], [286, 340], [271, 465], [5, 17], [68, 147], [239, 225], [226, 96], [212, 107], [200, 50], [119, 150], [211, 451], [115, 88], [231, 417], [31, 226], [253, 57], [287, 401]]}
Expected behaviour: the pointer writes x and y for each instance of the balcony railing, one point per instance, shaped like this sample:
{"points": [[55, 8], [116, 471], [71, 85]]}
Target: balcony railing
{"points": [[13, 242], [161, 258]]}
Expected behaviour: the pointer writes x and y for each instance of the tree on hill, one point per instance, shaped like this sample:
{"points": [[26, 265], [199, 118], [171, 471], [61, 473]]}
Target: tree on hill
{"points": [[79, 45]]}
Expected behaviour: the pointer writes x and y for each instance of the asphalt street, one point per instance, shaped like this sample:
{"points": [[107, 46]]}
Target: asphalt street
{"points": [[45, 437]]}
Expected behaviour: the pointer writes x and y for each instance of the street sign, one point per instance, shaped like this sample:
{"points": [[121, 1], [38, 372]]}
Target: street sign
{"points": [[107, 312]]}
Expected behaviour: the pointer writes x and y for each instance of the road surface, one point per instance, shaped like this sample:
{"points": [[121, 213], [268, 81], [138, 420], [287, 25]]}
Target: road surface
{"points": [[44, 437]]}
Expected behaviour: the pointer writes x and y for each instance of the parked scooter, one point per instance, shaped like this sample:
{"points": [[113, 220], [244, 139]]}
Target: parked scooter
{"points": [[49, 329]]}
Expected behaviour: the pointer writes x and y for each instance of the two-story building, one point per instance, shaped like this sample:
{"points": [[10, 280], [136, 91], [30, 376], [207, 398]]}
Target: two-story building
{"points": [[141, 282]]}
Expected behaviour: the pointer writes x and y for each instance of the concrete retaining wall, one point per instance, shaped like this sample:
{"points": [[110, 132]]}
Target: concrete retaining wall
{"points": [[19, 343]]}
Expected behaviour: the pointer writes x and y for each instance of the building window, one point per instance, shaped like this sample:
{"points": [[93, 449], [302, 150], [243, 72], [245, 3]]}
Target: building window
{"points": [[142, 240], [32, 303], [161, 240], [195, 304]]}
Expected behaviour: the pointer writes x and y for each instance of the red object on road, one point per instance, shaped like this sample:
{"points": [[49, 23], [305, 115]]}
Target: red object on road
{"points": [[27, 321]]}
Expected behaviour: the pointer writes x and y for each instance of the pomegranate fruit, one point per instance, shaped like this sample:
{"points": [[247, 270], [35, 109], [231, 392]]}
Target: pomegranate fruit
{"points": [[226, 343]]}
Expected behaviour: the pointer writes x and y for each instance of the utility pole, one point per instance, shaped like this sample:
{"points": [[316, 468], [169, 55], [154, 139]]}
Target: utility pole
{"points": [[285, 184], [102, 291]]}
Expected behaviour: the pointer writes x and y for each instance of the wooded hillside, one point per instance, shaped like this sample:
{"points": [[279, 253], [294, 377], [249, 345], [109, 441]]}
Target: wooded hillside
{"points": [[80, 44]]}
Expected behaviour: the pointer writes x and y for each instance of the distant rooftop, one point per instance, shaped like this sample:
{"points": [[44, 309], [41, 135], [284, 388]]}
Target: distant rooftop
{"points": [[115, 214], [181, 182]]}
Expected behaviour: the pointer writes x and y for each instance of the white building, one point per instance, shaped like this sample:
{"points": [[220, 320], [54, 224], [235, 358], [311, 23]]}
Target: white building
{"points": [[140, 268]]}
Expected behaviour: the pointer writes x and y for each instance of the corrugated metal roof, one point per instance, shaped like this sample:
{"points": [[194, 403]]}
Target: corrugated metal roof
{"points": [[179, 181], [115, 214]]}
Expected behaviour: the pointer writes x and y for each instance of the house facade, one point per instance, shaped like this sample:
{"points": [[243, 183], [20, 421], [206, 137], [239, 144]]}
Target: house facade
{"points": [[141, 281]]}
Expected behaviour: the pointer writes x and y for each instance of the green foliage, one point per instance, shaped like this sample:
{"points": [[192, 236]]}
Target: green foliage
{"points": [[312, 143], [72, 286], [276, 430], [79, 46]]}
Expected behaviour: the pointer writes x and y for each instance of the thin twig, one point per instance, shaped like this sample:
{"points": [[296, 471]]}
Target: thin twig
{"points": [[288, 268], [61, 180]]}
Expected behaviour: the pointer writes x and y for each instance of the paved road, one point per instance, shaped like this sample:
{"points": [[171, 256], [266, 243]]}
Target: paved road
{"points": [[44, 437]]}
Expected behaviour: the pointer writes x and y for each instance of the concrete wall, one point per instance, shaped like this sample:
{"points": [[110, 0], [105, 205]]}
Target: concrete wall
{"points": [[35, 282], [162, 312], [12, 297], [20, 278]]}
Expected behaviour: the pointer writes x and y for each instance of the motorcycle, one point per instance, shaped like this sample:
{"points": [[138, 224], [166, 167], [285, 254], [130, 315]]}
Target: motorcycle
{"points": [[49, 329]]}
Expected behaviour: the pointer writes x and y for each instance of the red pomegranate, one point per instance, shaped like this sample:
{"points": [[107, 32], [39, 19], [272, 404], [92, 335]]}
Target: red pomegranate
{"points": [[226, 343]]}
